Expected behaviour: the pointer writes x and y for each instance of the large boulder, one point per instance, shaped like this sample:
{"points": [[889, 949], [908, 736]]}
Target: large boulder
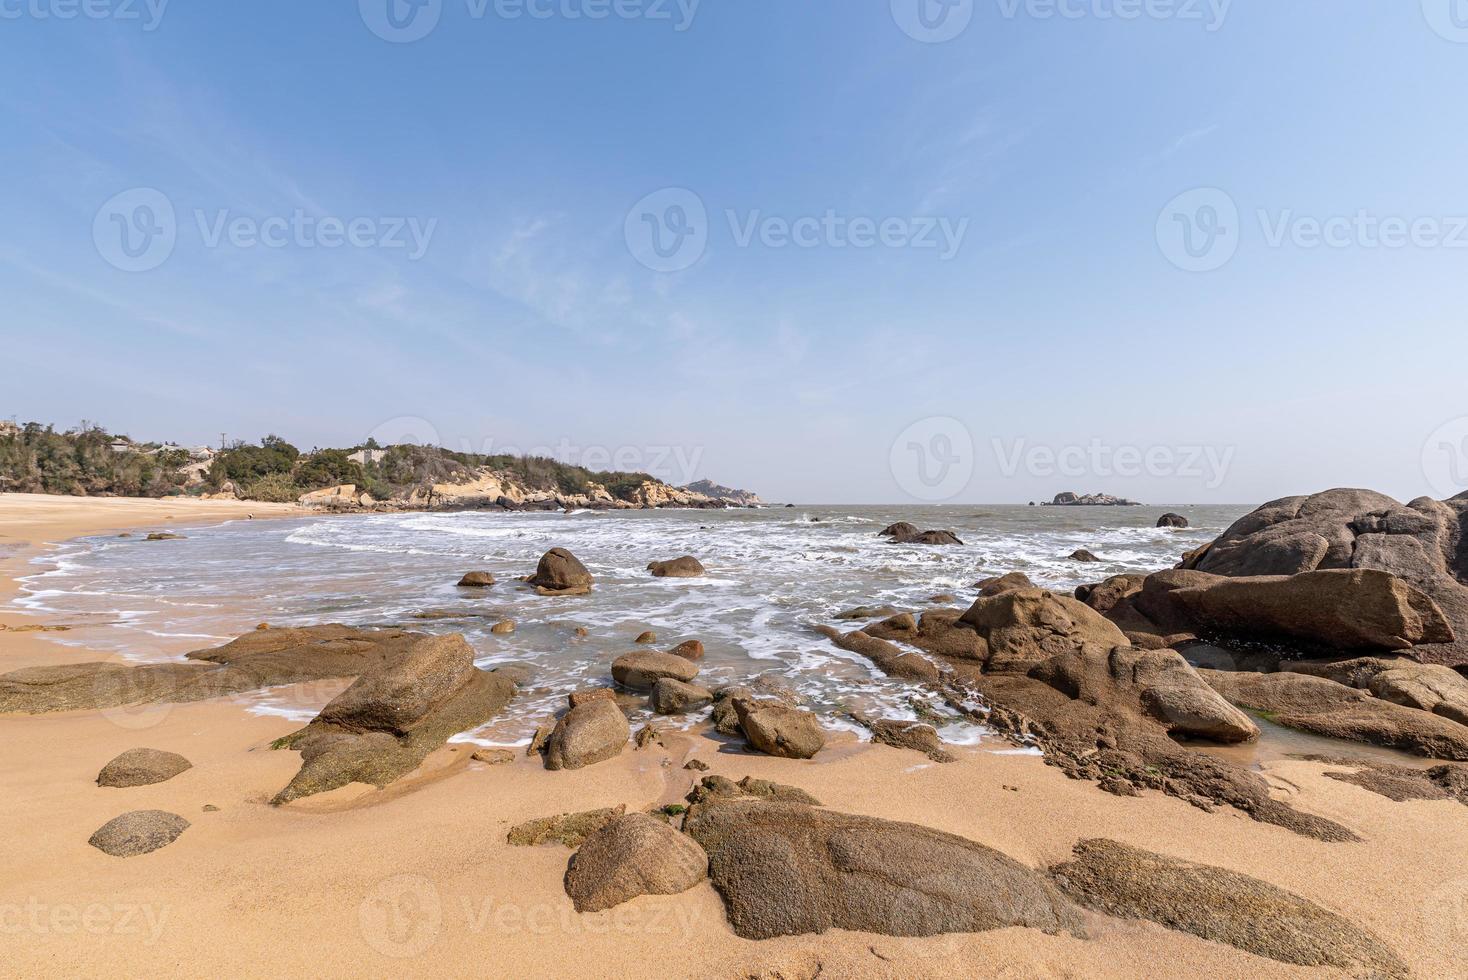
{"points": [[786, 869], [390, 718], [1172, 521], [774, 729], [642, 669], [1417, 542], [587, 734], [899, 530], [1337, 609], [999, 584], [142, 767], [561, 573], [1221, 906], [685, 567], [138, 832], [1325, 707], [1026, 627], [633, 855], [925, 537], [724, 715]]}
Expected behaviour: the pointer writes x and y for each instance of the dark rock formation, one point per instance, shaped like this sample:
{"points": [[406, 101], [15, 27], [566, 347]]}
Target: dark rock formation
{"points": [[1173, 521]]}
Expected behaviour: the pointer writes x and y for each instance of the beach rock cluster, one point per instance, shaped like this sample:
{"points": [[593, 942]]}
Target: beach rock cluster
{"points": [[904, 533]]}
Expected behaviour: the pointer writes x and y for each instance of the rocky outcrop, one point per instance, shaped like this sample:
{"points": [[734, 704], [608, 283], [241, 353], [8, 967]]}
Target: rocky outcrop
{"points": [[139, 832], [926, 538], [1221, 906], [689, 650], [725, 716], [901, 529], [1000, 584], [1083, 555], [1176, 521], [785, 869], [1420, 543], [685, 567], [633, 855], [260, 658], [1023, 628], [912, 735], [1427, 687], [566, 829], [642, 669], [1337, 609], [1322, 706], [587, 734], [560, 573], [1090, 500], [142, 767], [385, 724], [1401, 783], [790, 733], [722, 787], [728, 495]]}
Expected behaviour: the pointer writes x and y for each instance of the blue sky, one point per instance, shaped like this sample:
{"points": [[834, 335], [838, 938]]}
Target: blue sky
{"points": [[1052, 148]]}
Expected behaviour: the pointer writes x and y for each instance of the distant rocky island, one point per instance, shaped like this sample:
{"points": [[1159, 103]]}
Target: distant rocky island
{"points": [[1090, 500], [90, 462]]}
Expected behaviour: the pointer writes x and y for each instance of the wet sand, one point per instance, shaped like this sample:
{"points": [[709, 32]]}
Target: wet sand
{"points": [[418, 879]]}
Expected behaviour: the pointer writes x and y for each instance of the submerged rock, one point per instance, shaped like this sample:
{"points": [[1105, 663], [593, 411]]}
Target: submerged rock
{"points": [[142, 767], [138, 832], [1221, 906], [912, 735], [674, 697], [641, 669], [476, 580], [561, 573], [685, 567], [787, 869], [633, 855], [1172, 521]]}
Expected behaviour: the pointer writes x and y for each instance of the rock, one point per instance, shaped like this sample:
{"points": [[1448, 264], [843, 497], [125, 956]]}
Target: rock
{"points": [[142, 767], [926, 537], [901, 529], [1416, 542], [647, 735], [1401, 783], [646, 638], [138, 832], [786, 869], [389, 719], [503, 628], [1000, 584], [1025, 627], [587, 734], [560, 573], [721, 787], [578, 698], [540, 738], [1090, 500], [774, 729], [911, 735], [942, 598], [868, 612], [1172, 520], [164, 536], [642, 669], [581, 632], [1221, 906], [696, 765], [493, 757], [674, 697], [476, 580], [567, 829], [685, 567], [1427, 687], [1105, 596], [1322, 706], [1335, 609], [210, 808], [1083, 555], [633, 855], [689, 650]]}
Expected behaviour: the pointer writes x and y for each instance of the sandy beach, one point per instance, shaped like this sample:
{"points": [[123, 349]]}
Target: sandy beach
{"points": [[418, 879]]}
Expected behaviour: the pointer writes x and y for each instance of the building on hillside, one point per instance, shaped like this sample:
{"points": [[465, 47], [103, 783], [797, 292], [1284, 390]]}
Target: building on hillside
{"points": [[366, 457]]}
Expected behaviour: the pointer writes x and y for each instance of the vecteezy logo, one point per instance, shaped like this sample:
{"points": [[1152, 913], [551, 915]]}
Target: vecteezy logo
{"points": [[136, 230], [668, 230], [933, 21], [1445, 458], [1448, 18], [1198, 231], [401, 21], [933, 459], [401, 917]]}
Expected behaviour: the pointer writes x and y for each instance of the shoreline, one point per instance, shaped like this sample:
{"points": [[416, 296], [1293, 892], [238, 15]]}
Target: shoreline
{"points": [[302, 886]]}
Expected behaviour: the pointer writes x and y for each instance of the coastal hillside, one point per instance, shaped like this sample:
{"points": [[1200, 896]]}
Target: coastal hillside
{"points": [[89, 461]]}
